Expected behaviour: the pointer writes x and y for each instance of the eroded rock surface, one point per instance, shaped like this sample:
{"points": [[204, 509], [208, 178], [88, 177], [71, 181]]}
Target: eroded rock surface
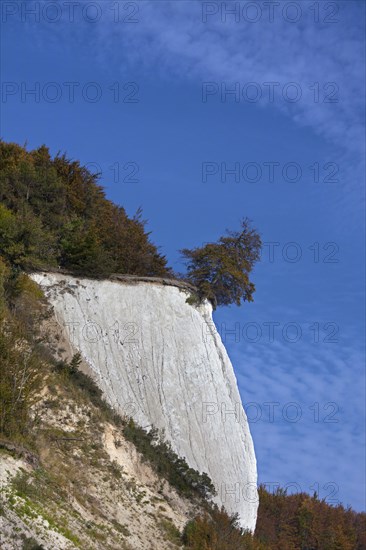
{"points": [[161, 361]]}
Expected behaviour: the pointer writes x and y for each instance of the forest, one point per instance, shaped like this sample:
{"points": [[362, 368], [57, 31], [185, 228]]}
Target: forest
{"points": [[54, 214]]}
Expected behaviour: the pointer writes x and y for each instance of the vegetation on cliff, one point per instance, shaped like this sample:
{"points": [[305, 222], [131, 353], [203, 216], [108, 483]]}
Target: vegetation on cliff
{"points": [[53, 213], [27, 369], [285, 522], [221, 270]]}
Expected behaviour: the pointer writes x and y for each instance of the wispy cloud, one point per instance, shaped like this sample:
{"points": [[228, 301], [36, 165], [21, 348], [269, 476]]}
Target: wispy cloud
{"points": [[322, 388], [321, 54], [186, 40], [172, 38]]}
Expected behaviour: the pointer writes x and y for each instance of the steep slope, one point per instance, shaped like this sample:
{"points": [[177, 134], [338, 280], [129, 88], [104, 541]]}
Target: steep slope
{"points": [[87, 486], [161, 361]]}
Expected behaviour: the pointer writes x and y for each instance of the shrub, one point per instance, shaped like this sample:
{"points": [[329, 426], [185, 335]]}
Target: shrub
{"points": [[167, 463], [216, 530]]}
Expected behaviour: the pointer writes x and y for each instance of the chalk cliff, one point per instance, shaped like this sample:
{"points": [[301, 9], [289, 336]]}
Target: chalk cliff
{"points": [[161, 361]]}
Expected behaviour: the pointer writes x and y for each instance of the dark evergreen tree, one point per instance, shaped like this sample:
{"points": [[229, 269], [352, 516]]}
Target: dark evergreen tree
{"points": [[221, 270]]}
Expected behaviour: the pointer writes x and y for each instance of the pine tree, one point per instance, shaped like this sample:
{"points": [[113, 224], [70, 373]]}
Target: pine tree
{"points": [[221, 270]]}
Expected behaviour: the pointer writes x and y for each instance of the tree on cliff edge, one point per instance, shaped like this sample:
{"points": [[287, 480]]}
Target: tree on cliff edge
{"points": [[221, 270]]}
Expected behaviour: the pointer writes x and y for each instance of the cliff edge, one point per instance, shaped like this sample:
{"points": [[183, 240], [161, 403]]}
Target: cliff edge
{"points": [[161, 361]]}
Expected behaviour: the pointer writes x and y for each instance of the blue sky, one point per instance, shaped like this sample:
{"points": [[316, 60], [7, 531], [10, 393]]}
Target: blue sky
{"points": [[149, 104]]}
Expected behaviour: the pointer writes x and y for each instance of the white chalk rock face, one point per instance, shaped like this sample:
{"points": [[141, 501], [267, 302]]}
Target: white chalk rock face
{"points": [[161, 361]]}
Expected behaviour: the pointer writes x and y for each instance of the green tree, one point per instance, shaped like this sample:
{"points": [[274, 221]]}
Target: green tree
{"points": [[24, 241], [83, 251], [21, 366], [55, 213], [20, 379], [221, 270]]}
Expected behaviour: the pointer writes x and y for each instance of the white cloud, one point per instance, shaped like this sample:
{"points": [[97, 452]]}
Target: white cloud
{"points": [[327, 384], [171, 37]]}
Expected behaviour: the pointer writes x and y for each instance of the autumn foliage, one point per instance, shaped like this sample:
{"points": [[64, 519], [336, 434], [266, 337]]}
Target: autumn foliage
{"points": [[285, 522], [53, 213]]}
